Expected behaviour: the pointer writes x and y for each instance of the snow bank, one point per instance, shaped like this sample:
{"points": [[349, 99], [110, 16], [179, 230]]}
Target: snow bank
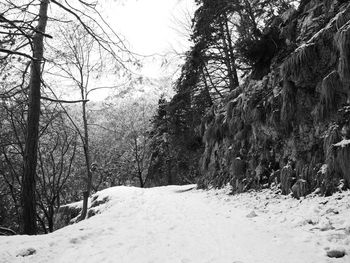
{"points": [[183, 225]]}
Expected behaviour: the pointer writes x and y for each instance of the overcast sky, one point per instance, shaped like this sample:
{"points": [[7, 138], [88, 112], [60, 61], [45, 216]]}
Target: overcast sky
{"points": [[149, 27], [148, 24]]}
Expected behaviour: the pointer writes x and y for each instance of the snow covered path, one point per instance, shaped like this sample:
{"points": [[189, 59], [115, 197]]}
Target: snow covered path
{"points": [[177, 225]]}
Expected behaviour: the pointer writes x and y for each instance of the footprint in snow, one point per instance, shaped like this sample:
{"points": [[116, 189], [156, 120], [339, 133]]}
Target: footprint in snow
{"points": [[74, 241]]}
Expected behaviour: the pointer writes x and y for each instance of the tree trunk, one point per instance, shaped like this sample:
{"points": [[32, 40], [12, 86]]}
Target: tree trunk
{"points": [[87, 162], [211, 82], [32, 132], [142, 185], [170, 176], [168, 161], [50, 218], [232, 73], [138, 161], [232, 56], [206, 89]]}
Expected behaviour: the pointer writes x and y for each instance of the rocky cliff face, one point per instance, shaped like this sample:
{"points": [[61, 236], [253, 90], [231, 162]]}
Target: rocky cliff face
{"points": [[289, 128]]}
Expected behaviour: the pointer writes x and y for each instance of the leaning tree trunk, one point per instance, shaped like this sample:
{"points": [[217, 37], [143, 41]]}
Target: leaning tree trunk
{"points": [[32, 132]]}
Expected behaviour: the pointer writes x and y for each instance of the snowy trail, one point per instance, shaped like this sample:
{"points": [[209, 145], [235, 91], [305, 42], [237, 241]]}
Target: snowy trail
{"points": [[171, 224]]}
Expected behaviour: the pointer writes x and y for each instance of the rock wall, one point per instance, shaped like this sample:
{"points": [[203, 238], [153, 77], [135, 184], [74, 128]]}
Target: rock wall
{"points": [[286, 128]]}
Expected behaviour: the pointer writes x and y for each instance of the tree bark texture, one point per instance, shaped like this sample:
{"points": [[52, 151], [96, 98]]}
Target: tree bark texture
{"points": [[32, 132]]}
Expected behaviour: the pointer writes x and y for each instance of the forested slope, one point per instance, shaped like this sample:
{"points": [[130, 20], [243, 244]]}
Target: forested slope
{"points": [[265, 87]]}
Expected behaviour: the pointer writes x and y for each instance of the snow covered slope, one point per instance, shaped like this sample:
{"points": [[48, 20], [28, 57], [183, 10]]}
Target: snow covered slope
{"points": [[183, 225]]}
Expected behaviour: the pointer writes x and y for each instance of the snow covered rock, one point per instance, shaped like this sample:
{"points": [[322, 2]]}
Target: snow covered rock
{"points": [[67, 214], [252, 214], [26, 252], [299, 189]]}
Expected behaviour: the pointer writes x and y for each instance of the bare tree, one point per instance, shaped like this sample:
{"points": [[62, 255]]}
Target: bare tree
{"points": [[129, 118], [12, 130], [57, 150], [80, 60], [23, 27]]}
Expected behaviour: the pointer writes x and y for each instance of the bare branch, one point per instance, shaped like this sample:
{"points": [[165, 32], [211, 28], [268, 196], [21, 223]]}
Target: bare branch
{"points": [[11, 52], [63, 101], [107, 87]]}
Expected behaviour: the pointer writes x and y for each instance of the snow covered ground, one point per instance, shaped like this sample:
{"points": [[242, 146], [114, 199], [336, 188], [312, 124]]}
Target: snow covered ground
{"points": [[178, 224]]}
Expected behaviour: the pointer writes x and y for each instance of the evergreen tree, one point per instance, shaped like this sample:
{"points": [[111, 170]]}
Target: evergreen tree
{"points": [[228, 37]]}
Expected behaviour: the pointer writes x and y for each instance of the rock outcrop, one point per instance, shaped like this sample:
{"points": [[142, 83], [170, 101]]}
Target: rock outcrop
{"points": [[71, 213], [67, 214], [286, 128]]}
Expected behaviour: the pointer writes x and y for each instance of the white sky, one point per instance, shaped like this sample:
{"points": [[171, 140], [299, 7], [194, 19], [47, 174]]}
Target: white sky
{"points": [[148, 27], [148, 24]]}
